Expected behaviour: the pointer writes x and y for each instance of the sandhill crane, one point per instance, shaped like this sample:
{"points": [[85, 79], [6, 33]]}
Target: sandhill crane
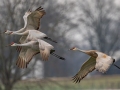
{"points": [[33, 35], [33, 48], [31, 20], [98, 60]]}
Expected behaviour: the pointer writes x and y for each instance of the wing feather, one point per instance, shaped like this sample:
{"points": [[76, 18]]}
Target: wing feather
{"points": [[86, 68], [45, 54], [21, 63], [44, 50], [29, 54], [22, 39], [33, 20]]}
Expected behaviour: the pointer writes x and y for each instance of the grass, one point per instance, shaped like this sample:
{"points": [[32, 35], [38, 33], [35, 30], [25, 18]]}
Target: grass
{"points": [[104, 82]]}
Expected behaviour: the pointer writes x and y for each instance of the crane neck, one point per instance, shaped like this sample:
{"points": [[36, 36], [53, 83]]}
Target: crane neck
{"points": [[26, 44], [81, 50], [23, 33], [20, 30]]}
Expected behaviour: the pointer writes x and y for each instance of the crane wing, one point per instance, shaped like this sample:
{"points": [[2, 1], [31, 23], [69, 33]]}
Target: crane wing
{"points": [[22, 39], [44, 51], [29, 54], [86, 68], [33, 20], [25, 17], [21, 63]]}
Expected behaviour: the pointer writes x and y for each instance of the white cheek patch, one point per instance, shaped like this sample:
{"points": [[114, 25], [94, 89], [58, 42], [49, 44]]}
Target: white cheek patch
{"points": [[103, 62]]}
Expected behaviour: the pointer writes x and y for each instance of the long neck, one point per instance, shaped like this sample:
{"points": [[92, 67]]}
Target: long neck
{"points": [[25, 20], [91, 53], [21, 30], [26, 44], [23, 33], [81, 50]]}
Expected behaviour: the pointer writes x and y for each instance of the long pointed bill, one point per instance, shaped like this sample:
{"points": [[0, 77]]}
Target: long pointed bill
{"points": [[116, 66], [3, 32], [10, 44], [7, 45]]}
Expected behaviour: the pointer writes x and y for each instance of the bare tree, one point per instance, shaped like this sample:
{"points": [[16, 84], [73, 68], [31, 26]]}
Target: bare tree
{"points": [[11, 18], [99, 25], [102, 19], [96, 22], [56, 25]]}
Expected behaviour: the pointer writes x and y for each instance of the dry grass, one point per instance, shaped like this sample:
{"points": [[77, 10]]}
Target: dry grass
{"points": [[104, 82]]}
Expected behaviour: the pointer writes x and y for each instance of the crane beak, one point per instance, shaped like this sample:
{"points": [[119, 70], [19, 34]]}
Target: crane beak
{"points": [[10, 33], [7, 45], [3, 32], [10, 44], [73, 48]]}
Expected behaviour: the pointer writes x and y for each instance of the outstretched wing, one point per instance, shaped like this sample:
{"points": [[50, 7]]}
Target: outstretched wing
{"points": [[29, 54], [86, 68], [21, 63], [44, 51], [33, 20], [25, 57], [22, 39]]}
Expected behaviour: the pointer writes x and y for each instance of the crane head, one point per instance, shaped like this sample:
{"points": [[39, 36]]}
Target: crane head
{"points": [[73, 48], [12, 44], [8, 32]]}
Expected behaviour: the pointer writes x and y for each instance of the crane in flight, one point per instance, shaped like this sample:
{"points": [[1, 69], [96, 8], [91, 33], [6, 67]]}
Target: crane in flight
{"points": [[31, 20], [98, 60], [33, 48], [33, 35]]}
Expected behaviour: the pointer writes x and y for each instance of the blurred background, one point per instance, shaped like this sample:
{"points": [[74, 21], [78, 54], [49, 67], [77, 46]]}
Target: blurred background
{"points": [[86, 24]]}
